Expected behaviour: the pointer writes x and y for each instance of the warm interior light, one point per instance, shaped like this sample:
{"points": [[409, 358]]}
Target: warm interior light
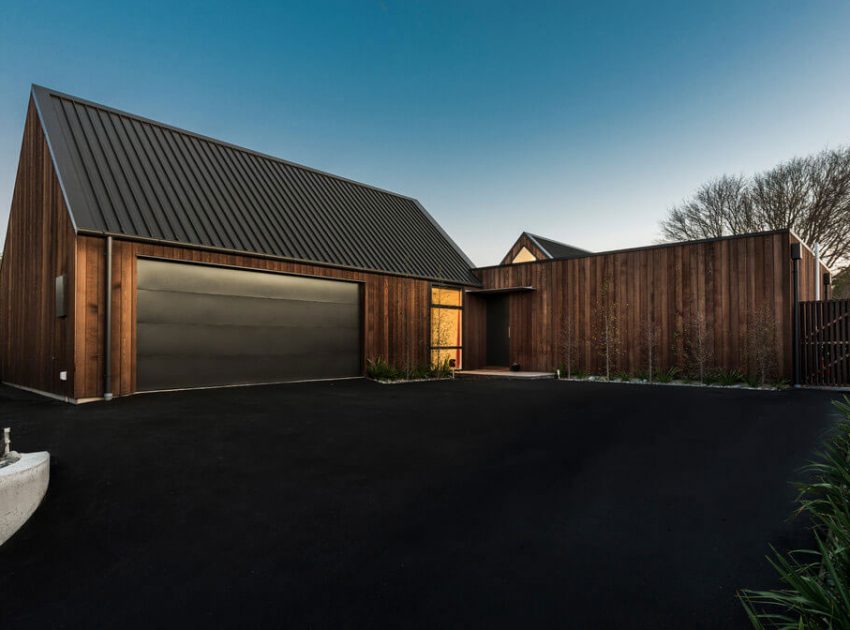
{"points": [[446, 326], [524, 256]]}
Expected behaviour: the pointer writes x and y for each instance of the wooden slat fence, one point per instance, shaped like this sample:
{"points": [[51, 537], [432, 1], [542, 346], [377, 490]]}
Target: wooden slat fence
{"points": [[825, 342]]}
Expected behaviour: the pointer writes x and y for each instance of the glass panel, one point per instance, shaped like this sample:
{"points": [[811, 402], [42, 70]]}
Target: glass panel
{"points": [[446, 326], [524, 256], [446, 297], [453, 356]]}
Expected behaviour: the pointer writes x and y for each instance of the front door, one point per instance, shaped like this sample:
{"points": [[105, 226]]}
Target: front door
{"points": [[498, 331]]}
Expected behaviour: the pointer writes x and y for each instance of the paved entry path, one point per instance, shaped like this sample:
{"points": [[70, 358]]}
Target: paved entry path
{"points": [[465, 503]]}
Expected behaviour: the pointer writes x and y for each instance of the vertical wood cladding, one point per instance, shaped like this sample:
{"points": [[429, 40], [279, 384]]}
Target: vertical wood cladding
{"points": [[35, 345], [395, 320], [667, 288]]}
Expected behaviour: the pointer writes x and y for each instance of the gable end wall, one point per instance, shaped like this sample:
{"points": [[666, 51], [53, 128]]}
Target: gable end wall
{"points": [[35, 345]]}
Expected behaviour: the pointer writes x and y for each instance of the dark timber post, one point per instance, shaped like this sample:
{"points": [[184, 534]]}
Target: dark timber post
{"points": [[796, 255], [107, 340], [827, 281]]}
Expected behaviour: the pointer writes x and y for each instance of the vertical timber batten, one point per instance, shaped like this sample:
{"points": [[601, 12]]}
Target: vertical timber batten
{"points": [[37, 346], [722, 282], [394, 308], [107, 338]]}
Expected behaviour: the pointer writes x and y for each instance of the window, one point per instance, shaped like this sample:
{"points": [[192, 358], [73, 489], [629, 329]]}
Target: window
{"points": [[524, 256], [446, 326]]}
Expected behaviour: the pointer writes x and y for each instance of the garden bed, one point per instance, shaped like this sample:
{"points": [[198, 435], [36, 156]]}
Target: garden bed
{"points": [[403, 381], [679, 383], [385, 373]]}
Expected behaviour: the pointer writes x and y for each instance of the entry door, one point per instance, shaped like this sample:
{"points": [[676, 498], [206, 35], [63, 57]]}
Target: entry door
{"points": [[203, 326], [498, 331]]}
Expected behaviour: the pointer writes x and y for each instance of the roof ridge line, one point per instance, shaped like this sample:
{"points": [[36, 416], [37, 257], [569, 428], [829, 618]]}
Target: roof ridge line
{"points": [[536, 242], [200, 136], [546, 238]]}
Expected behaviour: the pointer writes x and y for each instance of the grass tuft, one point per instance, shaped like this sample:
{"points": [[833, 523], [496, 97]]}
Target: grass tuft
{"points": [[816, 591]]}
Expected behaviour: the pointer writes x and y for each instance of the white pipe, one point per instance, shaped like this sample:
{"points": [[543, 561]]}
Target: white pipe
{"points": [[817, 271]]}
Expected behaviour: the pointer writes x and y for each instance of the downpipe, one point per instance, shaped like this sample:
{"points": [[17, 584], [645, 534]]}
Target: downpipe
{"points": [[107, 341]]}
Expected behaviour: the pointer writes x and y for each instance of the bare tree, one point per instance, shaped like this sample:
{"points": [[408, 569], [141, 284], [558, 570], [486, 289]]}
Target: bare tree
{"points": [[650, 334], [761, 343], [810, 195], [718, 207], [606, 335], [567, 343], [698, 346], [841, 285]]}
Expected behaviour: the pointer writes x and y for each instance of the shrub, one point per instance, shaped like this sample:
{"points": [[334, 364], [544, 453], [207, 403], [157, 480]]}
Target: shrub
{"points": [[381, 370], [816, 591], [761, 346], [698, 347], [668, 375], [728, 377], [441, 370]]}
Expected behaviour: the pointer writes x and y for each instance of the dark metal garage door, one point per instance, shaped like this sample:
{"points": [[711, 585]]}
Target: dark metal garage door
{"points": [[199, 326]]}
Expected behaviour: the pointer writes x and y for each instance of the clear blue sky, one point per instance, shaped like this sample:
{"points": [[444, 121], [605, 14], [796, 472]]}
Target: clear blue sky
{"points": [[582, 122]]}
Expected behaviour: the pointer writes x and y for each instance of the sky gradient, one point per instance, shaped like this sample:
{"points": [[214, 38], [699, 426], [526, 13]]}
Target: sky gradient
{"points": [[582, 122]]}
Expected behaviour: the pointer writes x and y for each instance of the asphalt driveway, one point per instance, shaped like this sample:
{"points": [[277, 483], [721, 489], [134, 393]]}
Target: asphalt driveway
{"points": [[446, 504]]}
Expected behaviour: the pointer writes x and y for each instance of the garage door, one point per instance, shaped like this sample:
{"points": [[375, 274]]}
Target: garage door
{"points": [[201, 326]]}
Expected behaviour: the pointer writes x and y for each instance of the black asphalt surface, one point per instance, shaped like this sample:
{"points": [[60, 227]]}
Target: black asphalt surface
{"points": [[446, 504]]}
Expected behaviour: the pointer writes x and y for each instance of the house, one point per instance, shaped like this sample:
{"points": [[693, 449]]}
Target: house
{"points": [[142, 257], [529, 247], [663, 303]]}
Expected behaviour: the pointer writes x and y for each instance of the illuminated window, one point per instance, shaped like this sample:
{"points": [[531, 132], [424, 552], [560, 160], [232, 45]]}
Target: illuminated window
{"points": [[446, 326], [524, 256]]}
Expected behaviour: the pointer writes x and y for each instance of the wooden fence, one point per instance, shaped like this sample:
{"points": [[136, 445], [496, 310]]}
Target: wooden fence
{"points": [[825, 342]]}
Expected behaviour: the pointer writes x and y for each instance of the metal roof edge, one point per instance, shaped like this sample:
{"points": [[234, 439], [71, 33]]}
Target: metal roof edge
{"points": [[251, 254], [445, 234], [217, 141], [536, 242], [535, 238], [50, 130], [645, 247]]}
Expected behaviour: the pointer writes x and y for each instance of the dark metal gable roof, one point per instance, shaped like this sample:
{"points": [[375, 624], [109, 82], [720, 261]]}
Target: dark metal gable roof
{"points": [[129, 176], [556, 249]]}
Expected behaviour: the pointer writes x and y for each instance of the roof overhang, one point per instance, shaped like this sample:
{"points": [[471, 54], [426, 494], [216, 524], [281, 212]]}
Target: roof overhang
{"points": [[500, 290]]}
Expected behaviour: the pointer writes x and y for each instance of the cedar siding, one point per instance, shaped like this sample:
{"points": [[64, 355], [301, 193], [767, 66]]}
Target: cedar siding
{"points": [[395, 309], [35, 345], [724, 279]]}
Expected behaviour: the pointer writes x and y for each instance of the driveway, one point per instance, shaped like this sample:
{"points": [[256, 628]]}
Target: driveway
{"points": [[445, 504]]}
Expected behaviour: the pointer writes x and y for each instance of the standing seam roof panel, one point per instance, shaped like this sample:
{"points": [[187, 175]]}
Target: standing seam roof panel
{"points": [[92, 176], [128, 172], [160, 181], [240, 215], [202, 191], [301, 224], [277, 205], [191, 189], [168, 225], [116, 173], [127, 175], [332, 223], [102, 167], [249, 188]]}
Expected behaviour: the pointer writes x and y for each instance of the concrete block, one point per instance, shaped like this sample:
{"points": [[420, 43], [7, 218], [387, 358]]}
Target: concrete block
{"points": [[22, 487]]}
